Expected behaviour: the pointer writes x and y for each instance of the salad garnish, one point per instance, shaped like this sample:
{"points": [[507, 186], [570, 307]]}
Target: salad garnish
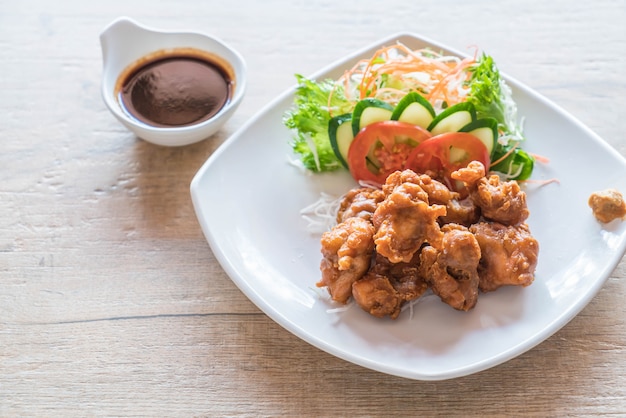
{"points": [[314, 104], [423, 90]]}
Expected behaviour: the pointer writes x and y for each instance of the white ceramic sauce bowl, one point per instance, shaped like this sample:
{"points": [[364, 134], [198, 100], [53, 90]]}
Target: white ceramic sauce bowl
{"points": [[124, 42]]}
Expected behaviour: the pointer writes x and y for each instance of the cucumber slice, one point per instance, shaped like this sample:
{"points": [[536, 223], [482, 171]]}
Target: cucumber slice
{"points": [[485, 129], [368, 111], [340, 133], [453, 118], [414, 108]]}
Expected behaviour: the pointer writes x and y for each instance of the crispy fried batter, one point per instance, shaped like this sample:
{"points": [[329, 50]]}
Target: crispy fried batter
{"points": [[452, 270], [387, 286], [460, 211], [361, 202], [607, 205], [509, 255], [502, 202], [404, 277], [404, 221], [375, 294], [436, 191], [463, 212], [471, 174], [391, 245], [347, 252]]}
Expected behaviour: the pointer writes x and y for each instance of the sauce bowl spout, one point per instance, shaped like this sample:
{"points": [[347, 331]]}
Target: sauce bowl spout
{"points": [[114, 36]]}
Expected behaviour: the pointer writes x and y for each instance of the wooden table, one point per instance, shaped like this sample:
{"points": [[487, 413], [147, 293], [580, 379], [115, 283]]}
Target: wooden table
{"points": [[111, 302]]}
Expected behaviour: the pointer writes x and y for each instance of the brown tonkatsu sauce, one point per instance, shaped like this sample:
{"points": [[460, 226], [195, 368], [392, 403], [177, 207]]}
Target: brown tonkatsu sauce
{"points": [[175, 89]]}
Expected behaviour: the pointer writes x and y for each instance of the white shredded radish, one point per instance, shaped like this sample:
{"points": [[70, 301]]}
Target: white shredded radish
{"points": [[340, 309], [298, 164], [409, 305], [326, 297], [322, 294], [313, 149], [417, 80], [321, 215]]}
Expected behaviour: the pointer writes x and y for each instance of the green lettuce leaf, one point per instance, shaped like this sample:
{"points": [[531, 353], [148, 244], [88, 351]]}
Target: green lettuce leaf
{"points": [[492, 97], [309, 120]]}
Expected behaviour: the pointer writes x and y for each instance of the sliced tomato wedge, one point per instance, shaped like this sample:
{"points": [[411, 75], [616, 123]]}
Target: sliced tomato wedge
{"points": [[445, 153], [381, 148]]}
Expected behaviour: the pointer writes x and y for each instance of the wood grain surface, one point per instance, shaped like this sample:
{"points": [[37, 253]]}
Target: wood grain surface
{"points": [[111, 302]]}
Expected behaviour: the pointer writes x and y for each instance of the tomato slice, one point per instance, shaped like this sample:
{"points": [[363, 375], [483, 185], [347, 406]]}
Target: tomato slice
{"points": [[381, 148], [442, 154]]}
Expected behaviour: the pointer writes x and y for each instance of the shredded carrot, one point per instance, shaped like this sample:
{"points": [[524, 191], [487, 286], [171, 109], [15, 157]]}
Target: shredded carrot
{"points": [[476, 49], [439, 71], [441, 86], [540, 182], [540, 158], [504, 157], [438, 77], [396, 92], [346, 86]]}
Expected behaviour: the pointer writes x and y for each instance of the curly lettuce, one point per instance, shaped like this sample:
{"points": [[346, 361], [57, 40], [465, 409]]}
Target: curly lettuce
{"points": [[492, 97], [314, 103]]}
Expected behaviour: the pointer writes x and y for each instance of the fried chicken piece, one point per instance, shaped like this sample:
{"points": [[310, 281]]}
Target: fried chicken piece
{"points": [[460, 211], [347, 252], [404, 277], [376, 295], [502, 202], [404, 221], [387, 286], [402, 178], [361, 202], [470, 175], [509, 255], [452, 271], [436, 191], [463, 212], [607, 205]]}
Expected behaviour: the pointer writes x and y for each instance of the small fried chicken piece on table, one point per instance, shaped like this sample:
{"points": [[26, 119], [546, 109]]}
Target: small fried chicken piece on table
{"points": [[452, 269], [347, 252]]}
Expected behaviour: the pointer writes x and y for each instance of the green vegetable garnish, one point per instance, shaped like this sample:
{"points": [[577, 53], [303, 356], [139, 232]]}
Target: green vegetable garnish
{"points": [[482, 101], [516, 164], [492, 97], [309, 119]]}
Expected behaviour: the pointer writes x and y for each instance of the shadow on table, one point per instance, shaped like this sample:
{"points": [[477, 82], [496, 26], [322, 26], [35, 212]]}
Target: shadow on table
{"points": [[162, 179]]}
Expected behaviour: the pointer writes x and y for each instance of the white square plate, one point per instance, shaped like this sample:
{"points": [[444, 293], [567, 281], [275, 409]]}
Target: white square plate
{"points": [[248, 199]]}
